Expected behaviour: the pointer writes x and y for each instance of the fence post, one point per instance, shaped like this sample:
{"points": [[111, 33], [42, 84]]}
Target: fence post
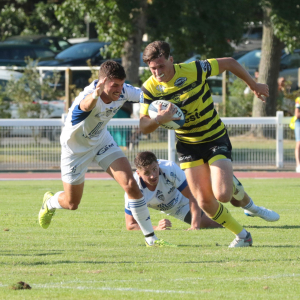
{"points": [[224, 75], [279, 139], [68, 82], [171, 145]]}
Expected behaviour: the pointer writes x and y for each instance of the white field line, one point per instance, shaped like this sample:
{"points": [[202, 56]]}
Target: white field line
{"points": [[61, 285], [46, 179]]}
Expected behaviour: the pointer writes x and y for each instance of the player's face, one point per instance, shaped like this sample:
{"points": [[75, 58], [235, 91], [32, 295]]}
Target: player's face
{"points": [[150, 174], [162, 69], [113, 88]]}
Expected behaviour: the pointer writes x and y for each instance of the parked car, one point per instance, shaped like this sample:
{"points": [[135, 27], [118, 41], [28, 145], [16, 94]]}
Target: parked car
{"points": [[14, 55], [78, 55], [55, 44], [289, 64]]}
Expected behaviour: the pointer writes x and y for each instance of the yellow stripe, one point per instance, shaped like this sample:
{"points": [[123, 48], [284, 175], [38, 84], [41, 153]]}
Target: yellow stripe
{"points": [[191, 164], [215, 158]]}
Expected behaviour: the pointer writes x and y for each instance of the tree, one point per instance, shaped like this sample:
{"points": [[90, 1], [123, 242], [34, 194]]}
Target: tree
{"points": [[121, 23], [281, 27]]}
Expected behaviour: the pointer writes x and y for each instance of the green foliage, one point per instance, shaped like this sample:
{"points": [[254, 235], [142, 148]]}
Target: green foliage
{"points": [[29, 89], [12, 21], [88, 253], [238, 104], [145, 75]]}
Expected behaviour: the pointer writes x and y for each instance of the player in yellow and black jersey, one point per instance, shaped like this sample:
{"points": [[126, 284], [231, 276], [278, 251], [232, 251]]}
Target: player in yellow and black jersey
{"points": [[203, 147], [189, 91]]}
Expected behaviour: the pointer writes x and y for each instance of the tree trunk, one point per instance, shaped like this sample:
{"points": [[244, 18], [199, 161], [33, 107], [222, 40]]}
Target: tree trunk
{"points": [[133, 46], [268, 68]]}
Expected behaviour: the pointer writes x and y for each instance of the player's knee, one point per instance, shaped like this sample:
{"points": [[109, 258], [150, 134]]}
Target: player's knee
{"points": [[223, 197], [131, 187], [73, 206]]}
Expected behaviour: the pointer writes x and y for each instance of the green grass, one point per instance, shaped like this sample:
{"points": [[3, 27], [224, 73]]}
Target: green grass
{"points": [[88, 254]]}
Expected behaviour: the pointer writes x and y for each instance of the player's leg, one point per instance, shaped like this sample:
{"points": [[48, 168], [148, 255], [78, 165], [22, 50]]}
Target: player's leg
{"points": [[252, 210], [200, 184], [73, 169], [120, 170], [222, 182]]}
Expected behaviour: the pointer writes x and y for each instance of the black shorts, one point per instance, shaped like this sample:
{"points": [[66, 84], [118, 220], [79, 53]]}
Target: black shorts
{"points": [[188, 217], [192, 155]]}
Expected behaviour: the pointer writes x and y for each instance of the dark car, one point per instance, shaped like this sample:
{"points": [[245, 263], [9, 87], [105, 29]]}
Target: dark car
{"points": [[78, 55], [14, 55], [55, 44], [289, 64]]}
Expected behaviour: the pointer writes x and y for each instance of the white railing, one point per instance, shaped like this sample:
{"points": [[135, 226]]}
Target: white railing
{"points": [[33, 144]]}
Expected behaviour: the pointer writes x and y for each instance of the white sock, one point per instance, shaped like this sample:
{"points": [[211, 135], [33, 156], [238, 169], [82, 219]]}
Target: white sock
{"points": [[53, 203], [251, 206], [141, 214], [242, 234]]}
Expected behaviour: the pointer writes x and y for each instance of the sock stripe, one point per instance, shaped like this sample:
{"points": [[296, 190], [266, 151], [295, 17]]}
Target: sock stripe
{"points": [[221, 207], [135, 204]]}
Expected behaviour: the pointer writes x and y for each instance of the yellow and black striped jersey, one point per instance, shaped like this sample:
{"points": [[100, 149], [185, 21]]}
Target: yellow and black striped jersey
{"points": [[189, 90]]}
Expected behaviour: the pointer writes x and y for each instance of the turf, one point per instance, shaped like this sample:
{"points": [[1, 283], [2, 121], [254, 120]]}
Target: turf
{"points": [[88, 254]]}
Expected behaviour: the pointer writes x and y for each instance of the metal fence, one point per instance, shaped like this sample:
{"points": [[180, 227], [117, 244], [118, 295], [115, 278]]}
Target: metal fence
{"points": [[258, 143]]}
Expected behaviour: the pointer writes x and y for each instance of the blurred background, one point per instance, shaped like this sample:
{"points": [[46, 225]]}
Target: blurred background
{"points": [[51, 49]]}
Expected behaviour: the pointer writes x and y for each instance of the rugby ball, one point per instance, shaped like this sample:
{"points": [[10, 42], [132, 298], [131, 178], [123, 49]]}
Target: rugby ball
{"points": [[175, 124]]}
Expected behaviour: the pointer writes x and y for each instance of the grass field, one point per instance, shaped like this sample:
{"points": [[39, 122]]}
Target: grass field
{"points": [[88, 254]]}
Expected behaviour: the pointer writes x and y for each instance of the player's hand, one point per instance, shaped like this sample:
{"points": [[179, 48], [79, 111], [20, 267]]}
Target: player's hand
{"points": [[261, 91], [164, 224], [100, 86], [166, 115]]}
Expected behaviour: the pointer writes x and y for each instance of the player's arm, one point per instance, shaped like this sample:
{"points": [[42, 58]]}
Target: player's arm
{"points": [[148, 125], [131, 224], [90, 101], [230, 64], [194, 209]]}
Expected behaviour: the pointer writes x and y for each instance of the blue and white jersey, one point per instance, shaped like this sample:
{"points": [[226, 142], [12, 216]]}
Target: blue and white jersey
{"points": [[84, 131], [167, 196]]}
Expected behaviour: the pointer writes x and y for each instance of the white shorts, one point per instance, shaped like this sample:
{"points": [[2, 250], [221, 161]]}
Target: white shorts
{"points": [[74, 166], [181, 212]]}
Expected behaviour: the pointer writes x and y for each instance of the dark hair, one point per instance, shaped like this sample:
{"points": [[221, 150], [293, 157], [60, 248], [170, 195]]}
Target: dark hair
{"points": [[112, 69], [144, 159], [155, 50]]}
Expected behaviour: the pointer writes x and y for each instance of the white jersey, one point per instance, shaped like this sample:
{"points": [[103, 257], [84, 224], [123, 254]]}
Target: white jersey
{"points": [[84, 131], [167, 196]]}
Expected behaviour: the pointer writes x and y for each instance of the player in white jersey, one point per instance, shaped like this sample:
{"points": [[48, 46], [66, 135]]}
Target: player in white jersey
{"points": [[165, 188], [85, 138]]}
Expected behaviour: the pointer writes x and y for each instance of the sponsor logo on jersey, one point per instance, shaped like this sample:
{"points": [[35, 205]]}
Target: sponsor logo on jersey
{"points": [[172, 203], [171, 189], [105, 148], [182, 158], [160, 196], [160, 88], [95, 132], [180, 81], [191, 117], [205, 65], [108, 112], [172, 174]]}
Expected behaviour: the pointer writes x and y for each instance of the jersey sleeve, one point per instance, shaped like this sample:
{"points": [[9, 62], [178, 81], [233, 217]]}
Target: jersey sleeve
{"points": [[132, 94], [297, 103], [206, 68]]}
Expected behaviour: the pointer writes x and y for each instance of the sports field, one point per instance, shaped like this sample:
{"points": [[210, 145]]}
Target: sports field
{"points": [[88, 254]]}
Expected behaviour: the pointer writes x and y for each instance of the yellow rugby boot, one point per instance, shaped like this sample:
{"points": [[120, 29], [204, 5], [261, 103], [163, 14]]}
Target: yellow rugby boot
{"points": [[45, 214], [160, 243]]}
